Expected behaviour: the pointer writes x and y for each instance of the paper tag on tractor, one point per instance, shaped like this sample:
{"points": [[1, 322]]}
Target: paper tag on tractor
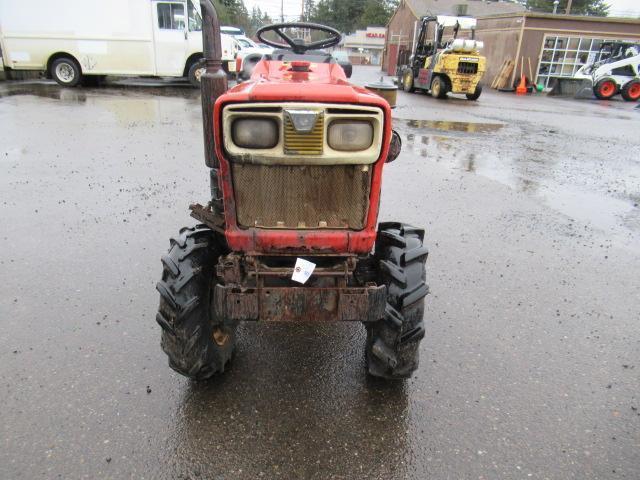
{"points": [[302, 271]]}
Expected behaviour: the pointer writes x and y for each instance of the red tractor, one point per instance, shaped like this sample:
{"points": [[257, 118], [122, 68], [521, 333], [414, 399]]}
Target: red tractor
{"points": [[296, 156]]}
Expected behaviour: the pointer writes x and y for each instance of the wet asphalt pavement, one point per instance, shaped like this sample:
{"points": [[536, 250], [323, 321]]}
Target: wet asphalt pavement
{"points": [[530, 367]]}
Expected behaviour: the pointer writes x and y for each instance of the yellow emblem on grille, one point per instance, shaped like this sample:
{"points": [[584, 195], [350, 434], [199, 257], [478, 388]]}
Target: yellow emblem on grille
{"points": [[303, 143]]}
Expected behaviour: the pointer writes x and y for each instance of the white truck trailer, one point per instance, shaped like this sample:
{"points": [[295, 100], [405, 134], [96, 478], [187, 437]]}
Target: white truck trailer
{"points": [[72, 39]]}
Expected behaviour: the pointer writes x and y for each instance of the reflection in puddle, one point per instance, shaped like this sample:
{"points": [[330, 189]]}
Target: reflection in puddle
{"points": [[531, 165], [129, 103], [80, 94], [469, 127]]}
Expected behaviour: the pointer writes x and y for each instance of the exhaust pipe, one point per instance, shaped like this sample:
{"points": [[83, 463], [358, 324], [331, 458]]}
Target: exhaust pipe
{"points": [[213, 81]]}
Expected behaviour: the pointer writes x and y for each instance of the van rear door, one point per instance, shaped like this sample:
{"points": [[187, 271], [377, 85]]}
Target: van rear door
{"points": [[170, 37]]}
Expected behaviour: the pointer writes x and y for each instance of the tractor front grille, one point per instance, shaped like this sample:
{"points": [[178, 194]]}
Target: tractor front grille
{"points": [[301, 196], [303, 143], [468, 67]]}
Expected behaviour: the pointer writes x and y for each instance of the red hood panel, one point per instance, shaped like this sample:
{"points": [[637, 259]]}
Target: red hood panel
{"points": [[324, 83], [274, 81]]}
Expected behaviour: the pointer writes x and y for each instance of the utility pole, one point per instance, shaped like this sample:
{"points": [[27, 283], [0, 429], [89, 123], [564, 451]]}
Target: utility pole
{"points": [[281, 11], [568, 10], [302, 12]]}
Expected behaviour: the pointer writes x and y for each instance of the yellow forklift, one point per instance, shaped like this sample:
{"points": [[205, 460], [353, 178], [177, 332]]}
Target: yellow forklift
{"points": [[439, 67]]}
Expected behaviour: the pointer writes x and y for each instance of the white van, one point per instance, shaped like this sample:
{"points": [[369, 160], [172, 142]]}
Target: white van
{"points": [[71, 39]]}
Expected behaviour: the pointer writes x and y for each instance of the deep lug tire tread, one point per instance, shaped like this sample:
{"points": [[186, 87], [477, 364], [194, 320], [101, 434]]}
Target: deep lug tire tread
{"points": [[393, 342], [597, 89], [185, 314], [626, 90]]}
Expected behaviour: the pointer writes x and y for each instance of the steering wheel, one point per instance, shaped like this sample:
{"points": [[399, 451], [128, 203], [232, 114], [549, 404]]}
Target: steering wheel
{"points": [[298, 45]]}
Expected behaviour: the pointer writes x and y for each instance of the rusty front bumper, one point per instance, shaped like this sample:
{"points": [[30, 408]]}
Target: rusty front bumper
{"points": [[287, 304]]}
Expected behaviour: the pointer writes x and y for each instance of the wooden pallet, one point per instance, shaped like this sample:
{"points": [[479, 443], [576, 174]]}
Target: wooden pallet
{"points": [[502, 78]]}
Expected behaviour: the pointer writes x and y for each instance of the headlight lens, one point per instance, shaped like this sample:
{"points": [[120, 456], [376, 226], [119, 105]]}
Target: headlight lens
{"points": [[350, 135], [255, 132]]}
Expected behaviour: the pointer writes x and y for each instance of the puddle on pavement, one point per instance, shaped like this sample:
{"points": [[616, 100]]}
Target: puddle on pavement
{"points": [[112, 89], [128, 103], [469, 127], [523, 166]]}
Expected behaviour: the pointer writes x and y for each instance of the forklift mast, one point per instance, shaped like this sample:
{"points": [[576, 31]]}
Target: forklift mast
{"points": [[427, 45]]}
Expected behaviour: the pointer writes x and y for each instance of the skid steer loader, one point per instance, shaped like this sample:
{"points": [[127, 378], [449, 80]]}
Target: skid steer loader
{"points": [[614, 70]]}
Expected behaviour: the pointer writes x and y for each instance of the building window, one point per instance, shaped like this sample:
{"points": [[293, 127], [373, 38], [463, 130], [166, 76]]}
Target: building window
{"points": [[563, 56]]}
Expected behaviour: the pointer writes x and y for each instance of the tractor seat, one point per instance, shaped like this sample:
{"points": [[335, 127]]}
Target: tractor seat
{"points": [[316, 56]]}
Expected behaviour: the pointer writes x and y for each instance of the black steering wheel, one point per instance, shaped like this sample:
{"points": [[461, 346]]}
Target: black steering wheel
{"points": [[298, 45]]}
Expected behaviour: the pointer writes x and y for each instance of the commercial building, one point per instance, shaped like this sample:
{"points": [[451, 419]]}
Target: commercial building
{"points": [[556, 46], [365, 47]]}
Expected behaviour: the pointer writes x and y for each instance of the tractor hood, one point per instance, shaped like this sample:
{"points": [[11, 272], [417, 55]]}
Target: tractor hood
{"points": [[273, 81]]}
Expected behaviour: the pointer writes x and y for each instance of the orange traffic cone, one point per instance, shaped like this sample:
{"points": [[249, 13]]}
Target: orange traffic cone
{"points": [[522, 88]]}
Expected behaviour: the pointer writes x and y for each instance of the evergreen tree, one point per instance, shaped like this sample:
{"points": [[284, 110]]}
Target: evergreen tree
{"points": [[349, 15], [578, 7], [233, 13], [376, 13], [309, 11], [257, 19]]}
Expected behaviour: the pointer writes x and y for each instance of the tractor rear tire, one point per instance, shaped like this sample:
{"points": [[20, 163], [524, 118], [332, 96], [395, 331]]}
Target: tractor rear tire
{"points": [[197, 343], [631, 91], [392, 349], [439, 88], [605, 89]]}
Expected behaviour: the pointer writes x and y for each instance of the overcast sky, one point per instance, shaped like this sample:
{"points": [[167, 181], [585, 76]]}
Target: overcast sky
{"points": [[292, 7]]}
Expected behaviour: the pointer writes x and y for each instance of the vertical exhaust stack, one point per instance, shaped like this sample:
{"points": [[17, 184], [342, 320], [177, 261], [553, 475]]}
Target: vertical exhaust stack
{"points": [[213, 81]]}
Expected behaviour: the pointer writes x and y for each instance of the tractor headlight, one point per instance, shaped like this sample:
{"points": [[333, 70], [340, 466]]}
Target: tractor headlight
{"points": [[350, 135], [255, 132]]}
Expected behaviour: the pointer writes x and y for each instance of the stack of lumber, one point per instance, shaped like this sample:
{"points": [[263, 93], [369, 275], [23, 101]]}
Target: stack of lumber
{"points": [[501, 80]]}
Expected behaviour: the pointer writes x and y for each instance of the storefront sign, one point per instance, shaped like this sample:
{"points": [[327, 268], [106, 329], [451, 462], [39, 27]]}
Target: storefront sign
{"points": [[375, 35]]}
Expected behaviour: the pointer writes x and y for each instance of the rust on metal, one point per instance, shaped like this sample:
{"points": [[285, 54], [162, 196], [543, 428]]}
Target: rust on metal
{"points": [[287, 304], [220, 336], [207, 216], [229, 269], [213, 82]]}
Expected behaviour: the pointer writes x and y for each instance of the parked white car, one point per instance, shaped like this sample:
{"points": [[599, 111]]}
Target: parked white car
{"points": [[72, 39], [249, 53]]}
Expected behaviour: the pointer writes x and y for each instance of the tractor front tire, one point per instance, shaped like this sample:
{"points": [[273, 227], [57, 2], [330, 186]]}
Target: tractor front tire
{"points": [[605, 89], [197, 343], [631, 90], [392, 349]]}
